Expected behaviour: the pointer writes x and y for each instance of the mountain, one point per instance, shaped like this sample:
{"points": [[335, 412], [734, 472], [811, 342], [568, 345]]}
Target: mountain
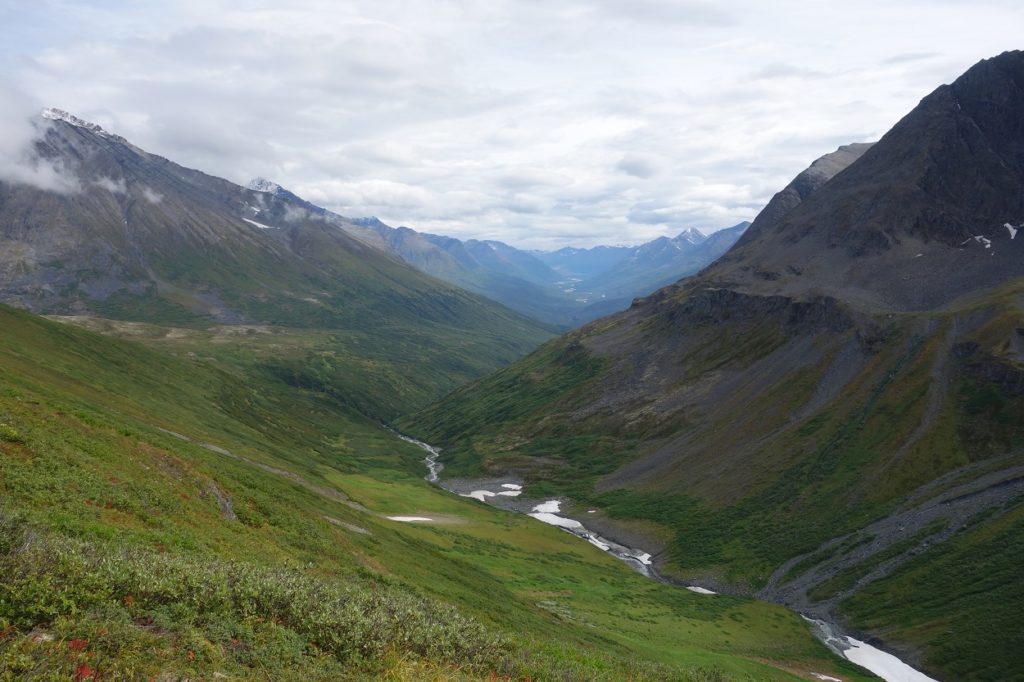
{"points": [[584, 263], [146, 240], [660, 262], [567, 287], [934, 196], [830, 416]]}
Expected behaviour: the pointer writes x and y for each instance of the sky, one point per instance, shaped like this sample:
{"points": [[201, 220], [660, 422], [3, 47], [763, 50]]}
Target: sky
{"points": [[541, 123]]}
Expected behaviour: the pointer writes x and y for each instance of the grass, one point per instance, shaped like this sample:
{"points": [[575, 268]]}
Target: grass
{"points": [[181, 516]]}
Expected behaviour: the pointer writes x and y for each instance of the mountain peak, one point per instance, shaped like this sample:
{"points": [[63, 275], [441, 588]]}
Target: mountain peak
{"points": [[692, 235], [54, 114], [259, 184]]}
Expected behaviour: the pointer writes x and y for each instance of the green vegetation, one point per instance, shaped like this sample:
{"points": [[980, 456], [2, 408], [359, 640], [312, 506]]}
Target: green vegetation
{"points": [[180, 515], [746, 479], [972, 632]]}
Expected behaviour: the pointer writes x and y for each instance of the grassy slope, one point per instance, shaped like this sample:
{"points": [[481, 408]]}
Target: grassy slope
{"points": [[826, 474], [127, 529]]}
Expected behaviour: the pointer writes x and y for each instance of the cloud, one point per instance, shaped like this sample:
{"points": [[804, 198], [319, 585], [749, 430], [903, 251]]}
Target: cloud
{"points": [[534, 122], [21, 128], [111, 185], [639, 166], [151, 195], [295, 214]]}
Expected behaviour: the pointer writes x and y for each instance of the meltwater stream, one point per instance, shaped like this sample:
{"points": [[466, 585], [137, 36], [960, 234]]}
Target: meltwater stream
{"points": [[881, 663]]}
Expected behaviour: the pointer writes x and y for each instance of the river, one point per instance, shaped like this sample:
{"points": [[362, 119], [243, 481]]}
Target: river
{"points": [[881, 663]]}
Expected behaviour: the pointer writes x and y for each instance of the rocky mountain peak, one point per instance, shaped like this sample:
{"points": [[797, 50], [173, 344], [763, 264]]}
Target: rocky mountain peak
{"points": [[259, 184], [54, 114]]}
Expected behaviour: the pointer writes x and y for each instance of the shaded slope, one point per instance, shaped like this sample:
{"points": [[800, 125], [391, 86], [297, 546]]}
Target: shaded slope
{"points": [[932, 196]]}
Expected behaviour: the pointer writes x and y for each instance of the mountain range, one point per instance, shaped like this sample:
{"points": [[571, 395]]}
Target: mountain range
{"points": [[830, 416], [567, 287]]}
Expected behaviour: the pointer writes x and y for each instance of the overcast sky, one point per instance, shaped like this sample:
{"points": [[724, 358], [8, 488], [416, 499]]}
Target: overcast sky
{"points": [[538, 122]]}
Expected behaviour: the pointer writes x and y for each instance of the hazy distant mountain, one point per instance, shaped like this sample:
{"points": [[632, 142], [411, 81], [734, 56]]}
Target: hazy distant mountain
{"points": [[568, 287]]}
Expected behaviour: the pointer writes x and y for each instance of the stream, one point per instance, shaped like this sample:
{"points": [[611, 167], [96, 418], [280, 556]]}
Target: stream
{"points": [[504, 494]]}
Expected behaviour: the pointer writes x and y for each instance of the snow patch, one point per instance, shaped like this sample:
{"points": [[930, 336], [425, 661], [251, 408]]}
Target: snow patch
{"points": [[481, 495], [825, 678], [1012, 230], [885, 665], [549, 507], [511, 486], [983, 240], [554, 520], [699, 590], [511, 493], [259, 225], [409, 519]]}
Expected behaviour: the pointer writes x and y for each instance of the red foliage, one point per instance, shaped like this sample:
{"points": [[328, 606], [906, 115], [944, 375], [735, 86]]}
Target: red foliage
{"points": [[84, 672], [78, 644]]}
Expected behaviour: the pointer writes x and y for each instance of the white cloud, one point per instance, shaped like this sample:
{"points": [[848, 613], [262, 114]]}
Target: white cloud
{"points": [[21, 128], [151, 195], [538, 123], [113, 186]]}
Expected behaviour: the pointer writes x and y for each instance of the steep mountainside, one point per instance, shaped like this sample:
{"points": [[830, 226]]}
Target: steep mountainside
{"points": [[939, 193], [831, 415], [146, 240]]}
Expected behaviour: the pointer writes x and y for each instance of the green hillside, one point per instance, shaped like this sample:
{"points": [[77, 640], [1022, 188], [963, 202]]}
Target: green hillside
{"points": [[179, 517], [754, 441]]}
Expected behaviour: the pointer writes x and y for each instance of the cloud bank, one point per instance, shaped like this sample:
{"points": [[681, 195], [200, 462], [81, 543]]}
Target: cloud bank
{"points": [[537, 123], [21, 128]]}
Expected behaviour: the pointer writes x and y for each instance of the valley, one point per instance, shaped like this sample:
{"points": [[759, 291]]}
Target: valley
{"points": [[561, 412]]}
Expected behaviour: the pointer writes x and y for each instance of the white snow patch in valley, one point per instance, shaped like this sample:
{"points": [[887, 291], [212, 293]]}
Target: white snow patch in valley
{"points": [[511, 493], [644, 558], [591, 511], [409, 519], [826, 678], [1012, 229], [259, 225], [983, 240], [511, 486], [555, 520], [886, 666], [549, 507], [596, 542], [481, 495], [699, 590]]}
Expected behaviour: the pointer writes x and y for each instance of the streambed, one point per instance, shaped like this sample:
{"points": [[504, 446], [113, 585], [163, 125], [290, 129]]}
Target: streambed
{"points": [[506, 494]]}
